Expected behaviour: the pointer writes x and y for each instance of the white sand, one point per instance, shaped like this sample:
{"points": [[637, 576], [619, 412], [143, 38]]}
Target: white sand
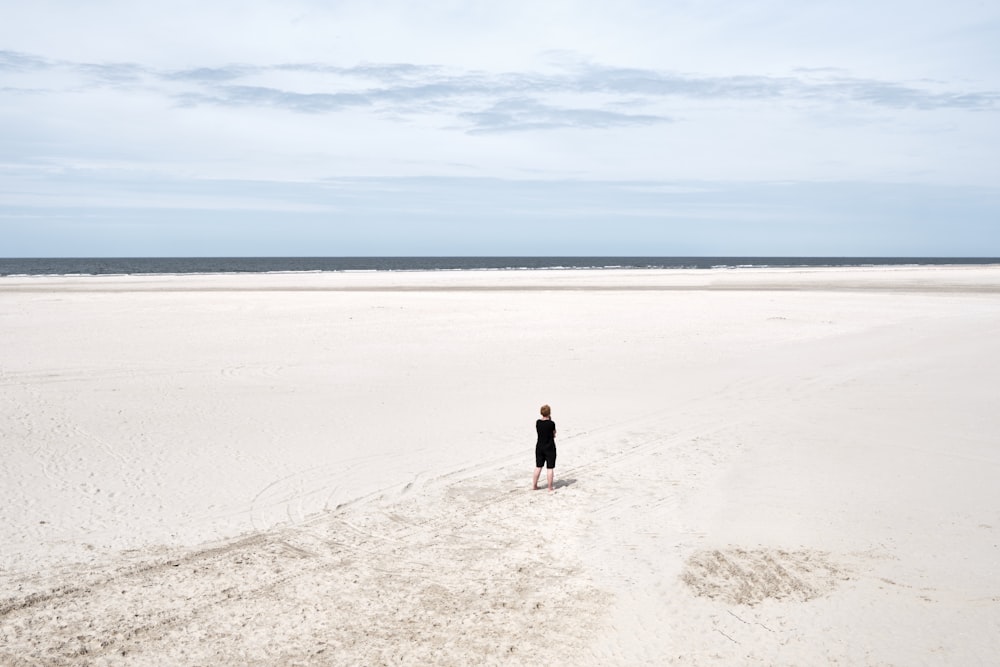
{"points": [[755, 467]]}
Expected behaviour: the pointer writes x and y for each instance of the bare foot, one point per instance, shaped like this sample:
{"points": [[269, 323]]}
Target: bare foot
{"points": [[534, 488], [552, 489]]}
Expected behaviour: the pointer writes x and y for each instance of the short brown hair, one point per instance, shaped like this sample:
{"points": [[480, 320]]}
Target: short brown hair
{"points": [[546, 411]]}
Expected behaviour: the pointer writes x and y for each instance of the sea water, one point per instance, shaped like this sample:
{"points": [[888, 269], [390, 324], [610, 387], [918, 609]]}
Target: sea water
{"points": [[208, 265]]}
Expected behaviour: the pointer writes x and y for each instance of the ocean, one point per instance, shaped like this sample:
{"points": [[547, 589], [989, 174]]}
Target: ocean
{"points": [[207, 265]]}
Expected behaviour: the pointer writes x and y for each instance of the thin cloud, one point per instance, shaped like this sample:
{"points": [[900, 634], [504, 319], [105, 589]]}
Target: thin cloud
{"points": [[115, 73], [585, 96], [514, 115], [879, 93], [21, 62], [300, 102], [382, 71], [212, 74], [660, 84], [833, 89]]}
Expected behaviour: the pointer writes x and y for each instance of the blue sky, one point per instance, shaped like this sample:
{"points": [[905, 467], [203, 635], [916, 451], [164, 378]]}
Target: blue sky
{"points": [[467, 128]]}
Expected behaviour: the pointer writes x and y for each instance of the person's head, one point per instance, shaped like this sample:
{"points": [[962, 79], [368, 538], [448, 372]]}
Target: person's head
{"points": [[546, 411]]}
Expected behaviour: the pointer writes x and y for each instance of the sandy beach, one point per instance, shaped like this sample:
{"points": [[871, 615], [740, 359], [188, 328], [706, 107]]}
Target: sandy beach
{"points": [[756, 467]]}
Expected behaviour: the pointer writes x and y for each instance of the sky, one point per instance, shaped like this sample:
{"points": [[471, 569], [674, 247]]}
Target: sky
{"points": [[308, 128]]}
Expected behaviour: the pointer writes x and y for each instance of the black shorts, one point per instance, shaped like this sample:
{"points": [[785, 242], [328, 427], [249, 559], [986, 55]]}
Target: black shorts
{"points": [[546, 455]]}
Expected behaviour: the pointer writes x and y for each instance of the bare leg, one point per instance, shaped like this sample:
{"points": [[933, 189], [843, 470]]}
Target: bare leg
{"points": [[534, 480], [550, 473]]}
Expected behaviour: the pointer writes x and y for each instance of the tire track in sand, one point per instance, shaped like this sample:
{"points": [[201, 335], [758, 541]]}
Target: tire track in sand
{"points": [[443, 572], [329, 586]]}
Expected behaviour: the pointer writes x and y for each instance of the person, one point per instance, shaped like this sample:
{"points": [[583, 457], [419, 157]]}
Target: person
{"points": [[545, 448]]}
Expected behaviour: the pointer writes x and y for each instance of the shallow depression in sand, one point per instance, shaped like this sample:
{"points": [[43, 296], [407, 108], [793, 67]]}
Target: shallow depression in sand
{"points": [[749, 576]]}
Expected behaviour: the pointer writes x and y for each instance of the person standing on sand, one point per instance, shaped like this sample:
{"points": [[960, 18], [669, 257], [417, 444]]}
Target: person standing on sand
{"points": [[545, 448]]}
